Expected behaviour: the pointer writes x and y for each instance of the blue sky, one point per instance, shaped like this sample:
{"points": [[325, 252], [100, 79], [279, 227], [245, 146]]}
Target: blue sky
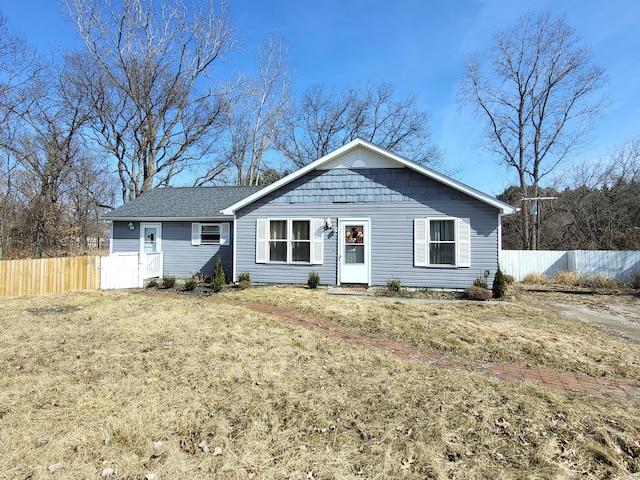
{"points": [[419, 46]]}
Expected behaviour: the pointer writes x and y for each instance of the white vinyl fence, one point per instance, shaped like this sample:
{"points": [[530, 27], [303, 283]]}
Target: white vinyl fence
{"points": [[129, 269], [607, 263], [119, 270]]}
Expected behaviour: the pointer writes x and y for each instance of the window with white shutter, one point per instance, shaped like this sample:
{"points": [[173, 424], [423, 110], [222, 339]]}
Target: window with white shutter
{"points": [[441, 242], [289, 240], [209, 233]]}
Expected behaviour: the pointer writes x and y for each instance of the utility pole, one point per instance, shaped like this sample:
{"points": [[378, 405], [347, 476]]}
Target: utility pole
{"points": [[536, 245]]}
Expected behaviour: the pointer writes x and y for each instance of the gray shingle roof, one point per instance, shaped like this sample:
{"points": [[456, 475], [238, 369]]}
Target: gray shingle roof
{"points": [[181, 202]]}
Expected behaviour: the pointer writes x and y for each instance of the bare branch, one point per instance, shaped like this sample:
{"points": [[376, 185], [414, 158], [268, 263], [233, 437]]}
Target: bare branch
{"points": [[326, 119], [256, 119], [147, 76], [536, 92]]}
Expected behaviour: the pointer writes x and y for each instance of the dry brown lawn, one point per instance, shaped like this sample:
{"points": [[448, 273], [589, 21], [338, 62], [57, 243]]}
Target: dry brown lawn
{"points": [[185, 387], [523, 331]]}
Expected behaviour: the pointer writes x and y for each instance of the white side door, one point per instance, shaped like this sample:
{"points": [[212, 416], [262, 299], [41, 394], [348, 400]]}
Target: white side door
{"points": [[354, 256], [150, 238], [150, 262]]}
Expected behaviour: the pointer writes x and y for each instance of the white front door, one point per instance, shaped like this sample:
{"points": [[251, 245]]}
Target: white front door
{"points": [[354, 257]]}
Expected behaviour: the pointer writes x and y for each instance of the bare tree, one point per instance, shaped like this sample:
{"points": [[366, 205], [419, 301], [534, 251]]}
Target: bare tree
{"points": [[45, 146], [148, 79], [58, 188], [44, 167], [90, 192], [535, 89], [20, 66], [598, 207], [254, 122], [325, 120], [602, 208]]}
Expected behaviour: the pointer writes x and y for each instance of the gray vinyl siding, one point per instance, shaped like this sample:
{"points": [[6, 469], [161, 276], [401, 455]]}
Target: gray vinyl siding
{"points": [[181, 259], [392, 199], [125, 240]]}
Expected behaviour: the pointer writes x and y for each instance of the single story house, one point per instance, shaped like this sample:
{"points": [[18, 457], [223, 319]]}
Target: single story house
{"points": [[359, 215]]}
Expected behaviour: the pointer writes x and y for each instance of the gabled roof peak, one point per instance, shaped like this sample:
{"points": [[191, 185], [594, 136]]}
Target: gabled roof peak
{"points": [[380, 156]]}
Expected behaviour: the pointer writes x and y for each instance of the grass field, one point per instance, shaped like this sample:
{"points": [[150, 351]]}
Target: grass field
{"points": [[185, 387], [521, 331]]}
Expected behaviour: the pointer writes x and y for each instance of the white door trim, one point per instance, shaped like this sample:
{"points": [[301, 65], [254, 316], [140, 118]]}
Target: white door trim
{"points": [[152, 264], [345, 274], [158, 227]]}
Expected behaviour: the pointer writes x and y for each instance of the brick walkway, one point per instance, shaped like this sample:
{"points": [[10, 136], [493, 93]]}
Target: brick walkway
{"points": [[553, 379]]}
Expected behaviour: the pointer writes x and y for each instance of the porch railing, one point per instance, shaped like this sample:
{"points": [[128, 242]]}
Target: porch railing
{"points": [[152, 264]]}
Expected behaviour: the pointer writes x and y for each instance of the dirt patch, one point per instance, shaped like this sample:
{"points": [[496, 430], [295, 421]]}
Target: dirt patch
{"points": [[617, 314], [52, 310], [618, 320]]}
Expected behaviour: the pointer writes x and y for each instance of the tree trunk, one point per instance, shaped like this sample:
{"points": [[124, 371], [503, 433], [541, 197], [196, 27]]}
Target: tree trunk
{"points": [[524, 213]]}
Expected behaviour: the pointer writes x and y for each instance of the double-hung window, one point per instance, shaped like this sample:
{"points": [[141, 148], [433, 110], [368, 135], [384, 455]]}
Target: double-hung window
{"points": [[289, 241], [442, 242], [209, 233]]}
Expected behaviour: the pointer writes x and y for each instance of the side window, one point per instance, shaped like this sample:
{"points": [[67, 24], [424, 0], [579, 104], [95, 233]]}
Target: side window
{"points": [[209, 233]]}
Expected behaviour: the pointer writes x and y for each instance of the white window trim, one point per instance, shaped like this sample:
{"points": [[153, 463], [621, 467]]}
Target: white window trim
{"points": [[422, 242], [196, 233], [290, 240], [316, 240], [453, 242]]}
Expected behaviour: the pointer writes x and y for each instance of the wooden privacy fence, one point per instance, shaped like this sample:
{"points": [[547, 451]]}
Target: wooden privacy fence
{"points": [[608, 263], [49, 275]]}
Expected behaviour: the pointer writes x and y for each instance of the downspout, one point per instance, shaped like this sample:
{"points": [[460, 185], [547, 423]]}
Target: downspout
{"points": [[499, 237], [111, 237], [233, 250]]}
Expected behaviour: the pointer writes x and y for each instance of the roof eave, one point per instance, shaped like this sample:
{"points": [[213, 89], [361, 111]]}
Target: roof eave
{"points": [[504, 208], [167, 219]]}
